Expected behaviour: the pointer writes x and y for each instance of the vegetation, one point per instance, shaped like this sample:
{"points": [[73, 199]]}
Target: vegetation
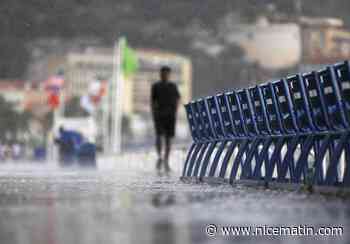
{"points": [[12, 122], [74, 109]]}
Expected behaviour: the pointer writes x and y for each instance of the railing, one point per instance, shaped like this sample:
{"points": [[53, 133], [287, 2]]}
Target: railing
{"points": [[292, 130]]}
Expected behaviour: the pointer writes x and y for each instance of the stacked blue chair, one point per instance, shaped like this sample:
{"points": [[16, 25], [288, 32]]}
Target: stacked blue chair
{"points": [[289, 130]]}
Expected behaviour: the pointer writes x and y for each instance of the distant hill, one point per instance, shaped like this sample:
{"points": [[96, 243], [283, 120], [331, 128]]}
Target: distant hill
{"points": [[171, 25]]}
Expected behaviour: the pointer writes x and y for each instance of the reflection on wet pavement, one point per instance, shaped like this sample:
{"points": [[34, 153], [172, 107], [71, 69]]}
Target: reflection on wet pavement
{"points": [[126, 206]]}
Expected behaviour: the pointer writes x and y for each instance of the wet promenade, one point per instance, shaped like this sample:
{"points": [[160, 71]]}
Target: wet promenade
{"points": [[125, 201]]}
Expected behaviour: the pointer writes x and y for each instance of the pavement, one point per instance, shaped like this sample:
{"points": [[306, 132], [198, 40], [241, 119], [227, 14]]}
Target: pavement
{"points": [[126, 201]]}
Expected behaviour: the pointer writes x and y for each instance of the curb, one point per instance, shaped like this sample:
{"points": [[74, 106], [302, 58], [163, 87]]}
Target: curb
{"points": [[342, 192]]}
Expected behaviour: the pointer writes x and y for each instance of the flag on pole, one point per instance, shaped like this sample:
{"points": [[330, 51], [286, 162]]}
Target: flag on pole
{"points": [[87, 104], [96, 90], [53, 100], [125, 65], [129, 59], [53, 86]]}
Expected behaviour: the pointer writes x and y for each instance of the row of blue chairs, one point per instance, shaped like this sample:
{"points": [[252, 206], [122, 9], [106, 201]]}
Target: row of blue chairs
{"points": [[311, 103], [309, 111]]}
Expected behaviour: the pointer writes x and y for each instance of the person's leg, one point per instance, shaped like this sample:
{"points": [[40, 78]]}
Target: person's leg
{"points": [[159, 146], [170, 133], [159, 151], [158, 131], [168, 141]]}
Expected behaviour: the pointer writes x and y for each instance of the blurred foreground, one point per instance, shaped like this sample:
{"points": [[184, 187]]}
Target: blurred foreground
{"points": [[125, 201]]}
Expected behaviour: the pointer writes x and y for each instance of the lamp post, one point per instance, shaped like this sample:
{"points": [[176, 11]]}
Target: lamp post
{"points": [[116, 93]]}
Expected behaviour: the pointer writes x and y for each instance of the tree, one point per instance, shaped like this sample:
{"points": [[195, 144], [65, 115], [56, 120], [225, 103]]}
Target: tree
{"points": [[73, 108], [12, 122]]}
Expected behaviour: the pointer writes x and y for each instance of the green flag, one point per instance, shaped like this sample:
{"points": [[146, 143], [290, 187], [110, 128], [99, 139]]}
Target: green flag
{"points": [[129, 59]]}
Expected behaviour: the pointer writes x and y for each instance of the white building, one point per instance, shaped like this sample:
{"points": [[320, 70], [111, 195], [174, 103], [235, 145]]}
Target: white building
{"points": [[271, 45]]}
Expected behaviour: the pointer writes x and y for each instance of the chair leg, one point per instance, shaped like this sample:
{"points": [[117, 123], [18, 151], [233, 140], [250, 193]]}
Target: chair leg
{"points": [[226, 159], [288, 160], [199, 159], [320, 156], [206, 158], [346, 179], [263, 155], [302, 161], [276, 154], [188, 157], [215, 161], [193, 158], [332, 174], [247, 165], [237, 161]]}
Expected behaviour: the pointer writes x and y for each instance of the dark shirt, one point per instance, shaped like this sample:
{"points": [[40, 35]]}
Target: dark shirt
{"points": [[164, 96]]}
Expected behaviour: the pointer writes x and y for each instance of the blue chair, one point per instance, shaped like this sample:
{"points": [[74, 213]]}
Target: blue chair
{"points": [[288, 126], [86, 155]]}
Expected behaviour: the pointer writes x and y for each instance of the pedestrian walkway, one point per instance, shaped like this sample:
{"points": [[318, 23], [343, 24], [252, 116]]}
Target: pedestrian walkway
{"points": [[125, 201]]}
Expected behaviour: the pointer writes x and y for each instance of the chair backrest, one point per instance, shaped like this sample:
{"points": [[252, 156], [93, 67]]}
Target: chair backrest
{"points": [[308, 103], [227, 119], [285, 106], [259, 107], [247, 111], [331, 93], [272, 109], [197, 120], [192, 123], [236, 114], [342, 71], [316, 99], [215, 116], [204, 116], [300, 102]]}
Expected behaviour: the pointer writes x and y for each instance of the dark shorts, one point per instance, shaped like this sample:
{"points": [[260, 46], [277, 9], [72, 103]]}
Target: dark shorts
{"points": [[165, 125]]}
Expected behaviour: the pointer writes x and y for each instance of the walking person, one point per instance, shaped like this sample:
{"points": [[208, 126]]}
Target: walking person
{"points": [[164, 103]]}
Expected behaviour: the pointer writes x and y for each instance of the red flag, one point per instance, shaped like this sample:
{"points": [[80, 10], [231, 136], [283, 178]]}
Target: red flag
{"points": [[53, 86], [53, 100]]}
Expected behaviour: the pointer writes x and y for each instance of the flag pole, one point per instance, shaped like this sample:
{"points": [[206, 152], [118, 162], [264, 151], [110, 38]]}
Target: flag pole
{"points": [[117, 96], [105, 119], [58, 113], [112, 101]]}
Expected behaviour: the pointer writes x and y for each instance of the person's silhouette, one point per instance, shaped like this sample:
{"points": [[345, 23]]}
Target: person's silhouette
{"points": [[164, 102]]}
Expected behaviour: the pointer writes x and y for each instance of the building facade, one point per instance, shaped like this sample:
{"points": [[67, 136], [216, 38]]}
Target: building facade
{"points": [[24, 96], [149, 63], [325, 41], [271, 46], [81, 68]]}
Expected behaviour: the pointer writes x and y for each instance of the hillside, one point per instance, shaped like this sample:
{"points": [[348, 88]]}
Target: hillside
{"points": [[171, 25]]}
